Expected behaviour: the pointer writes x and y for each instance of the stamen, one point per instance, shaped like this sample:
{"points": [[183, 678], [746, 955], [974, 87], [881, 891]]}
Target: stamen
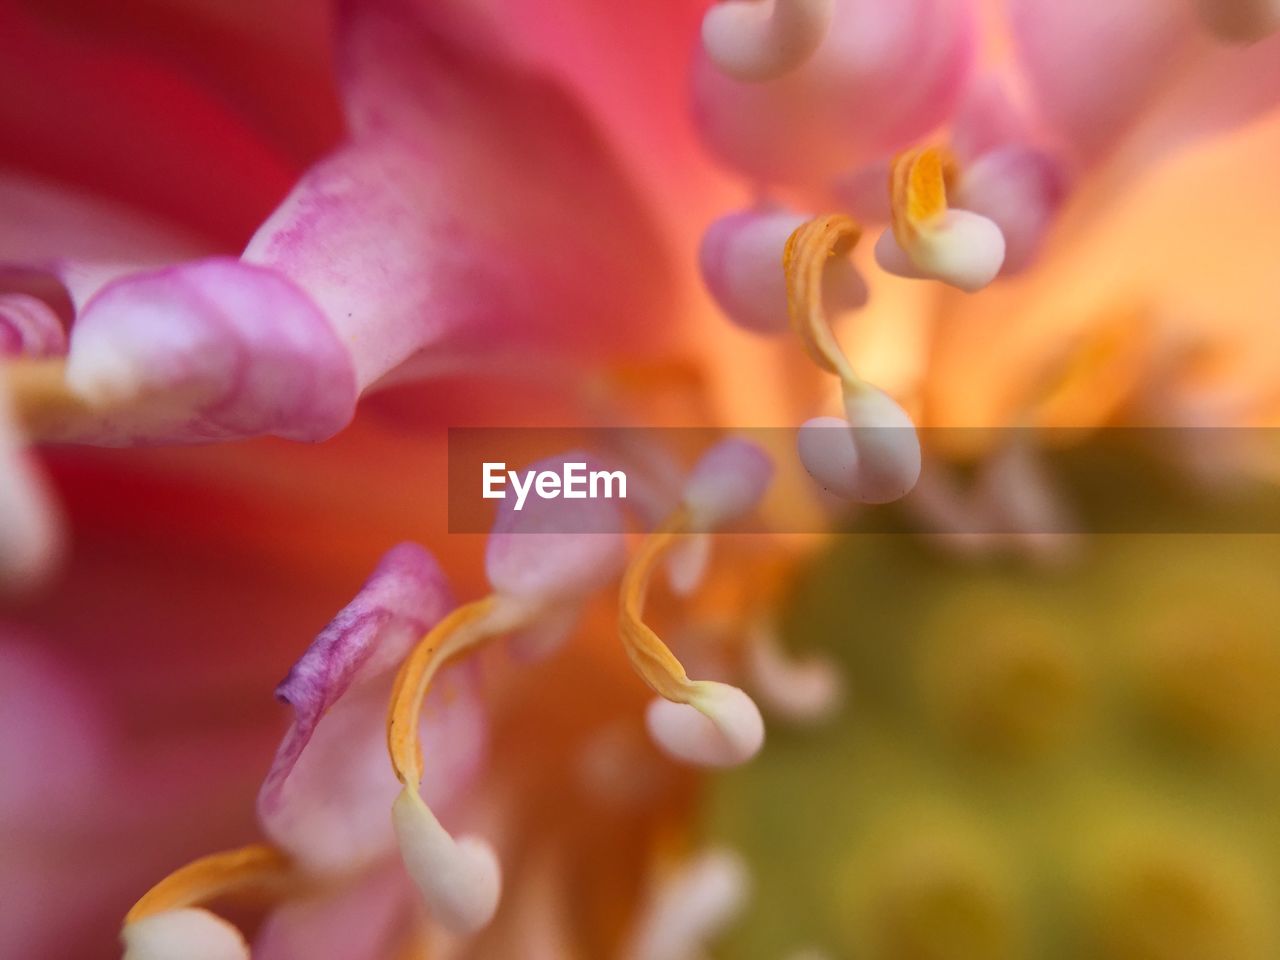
{"points": [[757, 40], [167, 923], [929, 239], [804, 261], [874, 456], [699, 721], [461, 630], [43, 401], [460, 879]]}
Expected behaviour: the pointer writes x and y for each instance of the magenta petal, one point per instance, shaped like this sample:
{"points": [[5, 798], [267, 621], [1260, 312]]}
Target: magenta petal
{"points": [[215, 350], [555, 548], [329, 791], [404, 597], [445, 230]]}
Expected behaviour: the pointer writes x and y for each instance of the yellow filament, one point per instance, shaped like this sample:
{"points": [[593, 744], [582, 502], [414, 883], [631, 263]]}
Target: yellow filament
{"points": [[804, 261], [650, 657], [918, 183], [455, 634], [42, 401], [259, 867]]}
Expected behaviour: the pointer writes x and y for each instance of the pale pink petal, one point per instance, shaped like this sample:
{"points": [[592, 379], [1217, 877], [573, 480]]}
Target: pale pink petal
{"points": [[555, 549], [1092, 66], [741, 262], [728, 481], [885, 75], [448, 228], [83, 240], [207, 351], [330, 785], [986, 119], [355, 921]]}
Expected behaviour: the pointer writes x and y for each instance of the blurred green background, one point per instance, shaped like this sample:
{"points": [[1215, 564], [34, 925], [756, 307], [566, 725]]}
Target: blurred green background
{"points": [[1066, 760]]}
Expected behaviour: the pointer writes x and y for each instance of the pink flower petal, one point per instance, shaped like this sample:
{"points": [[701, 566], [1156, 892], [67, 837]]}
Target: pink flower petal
{"points": [[555, 549], [1093, 65], [446, 226], [884, 76], [326, 796], [227, 350], [350, 922]]}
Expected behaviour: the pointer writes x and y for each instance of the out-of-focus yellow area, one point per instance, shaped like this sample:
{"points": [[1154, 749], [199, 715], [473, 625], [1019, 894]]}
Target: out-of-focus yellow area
{"points": [[1074, 760]]}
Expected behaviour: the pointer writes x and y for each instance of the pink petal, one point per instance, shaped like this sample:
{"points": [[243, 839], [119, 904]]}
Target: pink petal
{"points": [[448, 225], [81, 239], [404, 597], [356, 921], [884, 76], [227, 350], [330, 786], [1093, 65], [555, 548]]}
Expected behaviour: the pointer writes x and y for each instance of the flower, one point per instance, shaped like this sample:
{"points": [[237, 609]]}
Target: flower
{"points": [[220, 239]]}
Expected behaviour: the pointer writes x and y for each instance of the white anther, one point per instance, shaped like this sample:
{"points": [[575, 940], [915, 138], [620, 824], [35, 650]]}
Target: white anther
{"points": [[873, 457], [757, 40], [962, 249], [720, 727], [186, 934], [460, 879]]}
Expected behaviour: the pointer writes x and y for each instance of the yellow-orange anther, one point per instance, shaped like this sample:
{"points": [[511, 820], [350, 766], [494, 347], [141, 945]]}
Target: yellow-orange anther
{"points": [[804, 260], [918, 182], [259, 868]]}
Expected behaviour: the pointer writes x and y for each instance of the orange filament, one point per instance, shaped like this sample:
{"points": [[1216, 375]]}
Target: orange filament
{"points": [[804, 260], [918, 182], [257, 868], [652, 659], [454, 635]]}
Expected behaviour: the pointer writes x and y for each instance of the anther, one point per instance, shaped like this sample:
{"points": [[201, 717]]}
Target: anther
{"points": [[758, 40]]}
